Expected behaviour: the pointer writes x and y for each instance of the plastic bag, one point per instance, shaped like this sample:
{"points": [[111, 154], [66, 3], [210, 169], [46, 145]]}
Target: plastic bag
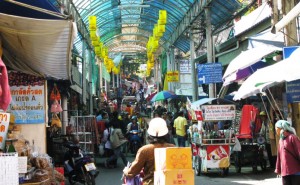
{"points": [[56, 107], [237, 147], [101, 149]]}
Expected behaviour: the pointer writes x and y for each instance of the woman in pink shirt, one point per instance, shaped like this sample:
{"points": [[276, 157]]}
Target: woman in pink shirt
{"points": [[288, 157]]}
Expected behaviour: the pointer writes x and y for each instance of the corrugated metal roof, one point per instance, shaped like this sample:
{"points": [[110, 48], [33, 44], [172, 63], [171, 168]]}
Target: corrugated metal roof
{"points": [[130, 20]]}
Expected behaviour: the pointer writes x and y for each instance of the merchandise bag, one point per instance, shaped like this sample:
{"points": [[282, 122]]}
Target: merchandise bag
{"points": [[56, 107], [55, 95], [55, 121]]}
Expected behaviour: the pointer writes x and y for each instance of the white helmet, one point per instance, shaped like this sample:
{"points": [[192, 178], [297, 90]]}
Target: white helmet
{"points": [[157, 127]]}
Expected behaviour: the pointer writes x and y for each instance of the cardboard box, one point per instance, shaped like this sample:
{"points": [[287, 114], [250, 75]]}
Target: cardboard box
{"points": [[173, 158], [174, 177]]}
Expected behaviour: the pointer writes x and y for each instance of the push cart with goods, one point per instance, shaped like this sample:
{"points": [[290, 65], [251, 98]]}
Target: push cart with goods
{"points": [[213, 136], [252, 143]]}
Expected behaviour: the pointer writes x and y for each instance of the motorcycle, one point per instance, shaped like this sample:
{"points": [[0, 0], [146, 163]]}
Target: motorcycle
{"points": [[78, 166], [135, 140]]}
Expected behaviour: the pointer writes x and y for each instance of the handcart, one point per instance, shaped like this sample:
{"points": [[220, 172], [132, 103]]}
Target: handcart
{"points": [[213, 136], [252, 143]]}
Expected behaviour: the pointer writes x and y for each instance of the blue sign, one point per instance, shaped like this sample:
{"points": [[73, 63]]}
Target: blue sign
{"points": [[293, 91], [287, 51], [293, 87], [209, 73]]}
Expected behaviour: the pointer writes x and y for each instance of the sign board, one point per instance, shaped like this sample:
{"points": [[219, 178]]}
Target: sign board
{"points": [[218, 112], [293, 91], [293, 87], [4, 123], [28, 104], [209, 73], [185, 66], [172, 76]]}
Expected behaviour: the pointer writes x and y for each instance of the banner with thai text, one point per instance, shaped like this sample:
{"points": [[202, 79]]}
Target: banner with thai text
{"points": [[28, 104], [218, 112], [4, 122]]}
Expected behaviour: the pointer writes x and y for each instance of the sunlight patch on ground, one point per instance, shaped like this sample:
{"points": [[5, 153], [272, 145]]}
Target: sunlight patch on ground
{"points": [[271, 181]]}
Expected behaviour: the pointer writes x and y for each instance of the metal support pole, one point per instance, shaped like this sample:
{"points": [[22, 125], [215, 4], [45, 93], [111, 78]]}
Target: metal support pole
{"points": [[113, 79], [84, 72], [193, 69], [172, 67], [211, 87], [90, 59], [100, 82], [169, 68], [64, 103], [118, 80]]}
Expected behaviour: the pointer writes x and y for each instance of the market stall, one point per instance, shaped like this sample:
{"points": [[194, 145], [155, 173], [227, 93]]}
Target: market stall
{"points": [[213, 135]]}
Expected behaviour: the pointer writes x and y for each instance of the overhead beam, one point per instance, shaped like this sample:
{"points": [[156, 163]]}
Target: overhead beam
{"points": [[192, 14], [70, 8]]}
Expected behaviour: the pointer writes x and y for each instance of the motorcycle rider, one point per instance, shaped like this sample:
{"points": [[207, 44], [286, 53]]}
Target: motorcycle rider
{"points": [[133, 125], [158, 138]]}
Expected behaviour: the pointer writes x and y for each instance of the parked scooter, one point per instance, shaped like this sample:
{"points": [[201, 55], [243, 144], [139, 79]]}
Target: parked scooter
{"points": [[78, 166], [135, 140]]}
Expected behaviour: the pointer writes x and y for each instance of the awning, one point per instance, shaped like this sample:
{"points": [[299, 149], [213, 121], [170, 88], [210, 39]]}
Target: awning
{"points": [[254, 18], [287, 19], [244, 73], [216, 101], [246, 59], [285, 70], [37, 46]]}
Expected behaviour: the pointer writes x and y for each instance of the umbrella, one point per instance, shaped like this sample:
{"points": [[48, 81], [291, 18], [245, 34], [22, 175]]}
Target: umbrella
{"points": [[163, 95], [151, 96]]}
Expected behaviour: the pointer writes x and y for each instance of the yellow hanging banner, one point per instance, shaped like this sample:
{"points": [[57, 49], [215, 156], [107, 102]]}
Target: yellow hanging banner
{"points": [[173, 76]]}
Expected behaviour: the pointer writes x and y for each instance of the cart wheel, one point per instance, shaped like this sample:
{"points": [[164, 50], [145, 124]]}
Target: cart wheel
{"points": [[224, 172], [263, 164], [254, 168], [197, 165]]}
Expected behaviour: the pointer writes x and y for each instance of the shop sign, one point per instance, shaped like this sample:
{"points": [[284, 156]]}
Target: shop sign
{"points": [[173, 76], [28, 104], [218, 112], [293, 87], [185, 66], [4, 122], [293, 91]]}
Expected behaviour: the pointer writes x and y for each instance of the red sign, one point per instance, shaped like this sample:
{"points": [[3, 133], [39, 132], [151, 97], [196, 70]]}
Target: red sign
{"points": [[199, 115]]}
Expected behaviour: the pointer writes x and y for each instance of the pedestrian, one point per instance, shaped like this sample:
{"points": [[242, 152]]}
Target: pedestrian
{"points": [[264, 132], [181, 126], [117, 140], [108, 151], [158, 138], [288, 156], [167, 118]]}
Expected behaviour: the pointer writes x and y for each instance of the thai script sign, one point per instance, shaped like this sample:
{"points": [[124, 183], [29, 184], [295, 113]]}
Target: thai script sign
{"points": [[4, 122], [172, 76], [185, 66], [218, 112], [209, 73], [28, 105]]}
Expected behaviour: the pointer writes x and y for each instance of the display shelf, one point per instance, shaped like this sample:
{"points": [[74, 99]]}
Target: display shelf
{"points": [[86, 132]]}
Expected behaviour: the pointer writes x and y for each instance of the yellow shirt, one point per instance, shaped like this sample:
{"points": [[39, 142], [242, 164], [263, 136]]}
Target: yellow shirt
{"points": [[179, 125]]}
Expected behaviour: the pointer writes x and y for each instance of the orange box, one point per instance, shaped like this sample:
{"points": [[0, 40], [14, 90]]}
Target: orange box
{"points": [[174, 177], [173, 158]]}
